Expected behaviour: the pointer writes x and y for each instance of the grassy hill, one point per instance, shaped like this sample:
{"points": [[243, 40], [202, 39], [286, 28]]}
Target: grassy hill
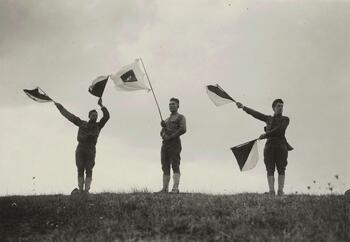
{"points": [[184, 217]]}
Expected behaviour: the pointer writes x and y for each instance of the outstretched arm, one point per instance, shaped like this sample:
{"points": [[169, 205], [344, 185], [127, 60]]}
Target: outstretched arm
{"points": [[278, 131], [255, 114], [105, 112], [71, 117]]}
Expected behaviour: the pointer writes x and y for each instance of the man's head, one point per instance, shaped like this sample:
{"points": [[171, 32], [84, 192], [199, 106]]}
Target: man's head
{"points": [[277, 106], [93, 115], [174, 104]]}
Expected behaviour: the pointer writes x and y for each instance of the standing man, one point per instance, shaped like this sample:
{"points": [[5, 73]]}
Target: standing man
{"points": [[172, 128], [276, 147], [87, 138]]}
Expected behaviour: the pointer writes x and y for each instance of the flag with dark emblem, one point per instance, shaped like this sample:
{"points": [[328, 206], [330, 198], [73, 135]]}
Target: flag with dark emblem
{"points": [[247, 155], [130, 78], [218, 96], [37, 95], [98, 86]]}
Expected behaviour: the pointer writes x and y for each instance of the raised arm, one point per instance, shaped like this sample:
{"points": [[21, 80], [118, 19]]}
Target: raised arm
{"points": [[105, 112], [255, 114], [71, 117]]}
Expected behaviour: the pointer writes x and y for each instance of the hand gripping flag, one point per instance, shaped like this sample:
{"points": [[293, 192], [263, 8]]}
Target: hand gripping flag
{"points": [[130, 78], [246, 155], [37, 96], [98, 86], [218, 95]]}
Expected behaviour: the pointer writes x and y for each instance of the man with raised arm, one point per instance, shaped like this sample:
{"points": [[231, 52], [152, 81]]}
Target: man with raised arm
{"points": [[87, 138], [276, 147], [172, 128]]}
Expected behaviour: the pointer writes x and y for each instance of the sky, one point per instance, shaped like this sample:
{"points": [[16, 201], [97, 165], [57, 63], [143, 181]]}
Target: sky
{"points": [[256, 50]]}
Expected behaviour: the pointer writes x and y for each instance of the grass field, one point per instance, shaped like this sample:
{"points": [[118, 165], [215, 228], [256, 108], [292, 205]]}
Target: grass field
{"points": [[183, 217]]}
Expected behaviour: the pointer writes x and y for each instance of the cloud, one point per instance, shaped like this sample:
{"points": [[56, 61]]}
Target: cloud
{"points": [[64, 45]]}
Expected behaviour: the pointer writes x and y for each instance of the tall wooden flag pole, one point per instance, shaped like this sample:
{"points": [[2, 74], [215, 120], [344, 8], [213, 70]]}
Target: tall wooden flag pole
{"points": [[154, 95]]}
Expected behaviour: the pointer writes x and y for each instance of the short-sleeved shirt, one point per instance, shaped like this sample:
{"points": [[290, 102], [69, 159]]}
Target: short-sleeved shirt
{"points": [[172, 125]]}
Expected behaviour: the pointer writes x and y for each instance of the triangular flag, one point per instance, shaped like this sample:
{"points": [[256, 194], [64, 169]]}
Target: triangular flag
{"points": [[130, 78], [218, 95], [98, 86], [37, 96], [247, 155]]}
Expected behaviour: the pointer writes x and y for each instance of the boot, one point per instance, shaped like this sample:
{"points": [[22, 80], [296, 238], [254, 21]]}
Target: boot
{"points": [[81, 183], [176, 180], [281, 179], [88, 181], [271, 182], [165, 189]]}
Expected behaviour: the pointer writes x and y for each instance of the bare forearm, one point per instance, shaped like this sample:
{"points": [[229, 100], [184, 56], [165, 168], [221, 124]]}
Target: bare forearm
{"points": [[178, 133]]}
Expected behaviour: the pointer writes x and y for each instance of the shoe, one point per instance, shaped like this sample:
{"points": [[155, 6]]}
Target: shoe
{"points": [[165, 189], [280, 193], [162, 191], [175, 191], [271, 193], [88, 181], [176, 179]]}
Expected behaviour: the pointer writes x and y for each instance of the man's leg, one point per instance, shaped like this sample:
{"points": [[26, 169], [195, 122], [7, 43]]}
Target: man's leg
{"points": [[281, 168], [79, 156], [88, 181], [175, 162], [281, 179], [90, 163], [81, 181], [270, 168], [165, 168]]}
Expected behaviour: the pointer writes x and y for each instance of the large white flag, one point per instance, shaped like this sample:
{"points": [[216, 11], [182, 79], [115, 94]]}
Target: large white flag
{"points": [[130, 78]]}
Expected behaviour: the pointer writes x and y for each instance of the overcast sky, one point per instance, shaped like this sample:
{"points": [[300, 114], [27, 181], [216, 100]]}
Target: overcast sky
{"points": [[256, 50]]}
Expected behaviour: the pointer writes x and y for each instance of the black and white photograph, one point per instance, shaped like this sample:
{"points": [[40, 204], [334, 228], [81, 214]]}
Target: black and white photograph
{"points": [[164, 120]]}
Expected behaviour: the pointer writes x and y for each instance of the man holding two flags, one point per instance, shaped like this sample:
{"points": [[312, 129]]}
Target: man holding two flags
{"points": [[88, 133], [276, 147]]}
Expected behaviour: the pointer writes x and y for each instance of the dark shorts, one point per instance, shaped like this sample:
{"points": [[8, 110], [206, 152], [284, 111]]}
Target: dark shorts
{"points": [[275, 156], [85, 160], [170, 156]]}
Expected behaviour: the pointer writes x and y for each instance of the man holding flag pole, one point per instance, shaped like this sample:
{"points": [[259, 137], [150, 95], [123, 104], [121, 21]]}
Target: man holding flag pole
{"points": [[131, 78], [172, 128]]}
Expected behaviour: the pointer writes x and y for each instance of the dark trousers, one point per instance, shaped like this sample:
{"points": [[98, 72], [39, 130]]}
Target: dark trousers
{"points": [[275, 156], [85, 160], [170, 156]]}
